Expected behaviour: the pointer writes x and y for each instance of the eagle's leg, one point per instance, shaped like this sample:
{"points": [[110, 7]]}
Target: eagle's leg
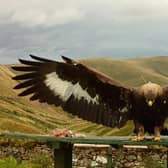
{"points": [[157, 130], [139, 132]]}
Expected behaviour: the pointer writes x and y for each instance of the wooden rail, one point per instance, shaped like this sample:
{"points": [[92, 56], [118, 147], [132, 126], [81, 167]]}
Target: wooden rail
{"points": [[63, 146]]}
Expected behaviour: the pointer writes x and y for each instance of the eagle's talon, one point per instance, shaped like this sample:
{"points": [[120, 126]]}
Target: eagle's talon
{"points": [[138, 138], [156, 138]]}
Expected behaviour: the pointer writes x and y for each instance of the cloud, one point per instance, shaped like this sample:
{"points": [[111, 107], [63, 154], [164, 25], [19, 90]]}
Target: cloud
{"points": [[81, 28], [56, 12], [37, 12]]}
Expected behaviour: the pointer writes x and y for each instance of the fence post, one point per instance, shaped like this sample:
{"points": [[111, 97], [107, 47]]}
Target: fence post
{"points": [[167, 158], [109, 157], [63, 156]]}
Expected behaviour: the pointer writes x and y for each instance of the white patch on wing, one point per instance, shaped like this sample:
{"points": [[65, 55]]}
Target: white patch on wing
{"points": [[64, 89]]}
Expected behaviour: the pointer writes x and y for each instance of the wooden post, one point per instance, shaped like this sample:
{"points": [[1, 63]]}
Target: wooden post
{"points": [[63, 156], [109, 157]]}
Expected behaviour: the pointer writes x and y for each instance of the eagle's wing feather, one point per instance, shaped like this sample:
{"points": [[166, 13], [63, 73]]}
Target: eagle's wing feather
{"points": [[80, 90]]}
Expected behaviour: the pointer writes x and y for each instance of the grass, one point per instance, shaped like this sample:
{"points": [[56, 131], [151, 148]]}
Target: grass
{"points": [[21, 115], [37, 161], [11, 162]]}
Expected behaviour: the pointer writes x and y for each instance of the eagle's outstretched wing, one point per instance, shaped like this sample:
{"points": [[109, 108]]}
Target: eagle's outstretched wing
{"points": [[80, 90]]}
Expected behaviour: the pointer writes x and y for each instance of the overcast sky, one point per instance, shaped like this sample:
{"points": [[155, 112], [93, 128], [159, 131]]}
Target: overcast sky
{"points": [[82, 28]]}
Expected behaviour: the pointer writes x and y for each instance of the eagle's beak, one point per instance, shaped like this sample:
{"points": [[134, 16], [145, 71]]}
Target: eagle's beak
{"points": [[150, 103]]}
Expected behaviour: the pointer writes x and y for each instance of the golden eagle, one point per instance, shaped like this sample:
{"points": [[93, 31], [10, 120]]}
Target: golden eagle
{"points": [[93, 96]]}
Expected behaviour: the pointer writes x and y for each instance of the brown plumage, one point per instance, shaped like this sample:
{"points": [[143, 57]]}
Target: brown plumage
{"points": [[93, 96]]}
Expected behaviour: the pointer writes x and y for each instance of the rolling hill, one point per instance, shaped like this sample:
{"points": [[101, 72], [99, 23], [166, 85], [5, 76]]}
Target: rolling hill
{"points": [[21, 115]]}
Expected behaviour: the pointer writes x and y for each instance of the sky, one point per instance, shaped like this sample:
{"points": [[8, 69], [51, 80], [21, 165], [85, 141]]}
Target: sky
{"points": [[82, 28]]}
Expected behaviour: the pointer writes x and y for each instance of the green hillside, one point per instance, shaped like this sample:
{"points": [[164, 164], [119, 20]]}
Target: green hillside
{"points": [[21, 115]]}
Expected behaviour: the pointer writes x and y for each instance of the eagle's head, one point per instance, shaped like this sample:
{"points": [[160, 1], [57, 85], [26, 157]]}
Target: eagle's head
{"points": [[151, 92]]}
